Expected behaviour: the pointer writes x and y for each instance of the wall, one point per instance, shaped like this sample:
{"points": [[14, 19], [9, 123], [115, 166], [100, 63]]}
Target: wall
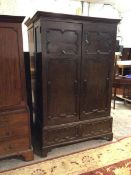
{"points": [[125, 29], [29, 7], [17, 7], [103, 10]]}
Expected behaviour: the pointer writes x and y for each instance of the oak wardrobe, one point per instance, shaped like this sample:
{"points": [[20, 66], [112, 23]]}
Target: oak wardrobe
{"points": [[71, 62]]}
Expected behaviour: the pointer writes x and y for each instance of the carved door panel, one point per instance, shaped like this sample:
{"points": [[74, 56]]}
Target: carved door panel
{"points": [[62, 62], [96, 70], [62, 39]]}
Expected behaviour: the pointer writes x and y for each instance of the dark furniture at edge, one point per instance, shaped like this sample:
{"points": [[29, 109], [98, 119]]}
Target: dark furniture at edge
{"points": [[124, 83], [72, 60], [15, 138]]}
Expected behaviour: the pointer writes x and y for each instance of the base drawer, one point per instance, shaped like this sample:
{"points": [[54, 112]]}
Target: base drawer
{"points": [[96, 128], [60, 135], [12, 146]]}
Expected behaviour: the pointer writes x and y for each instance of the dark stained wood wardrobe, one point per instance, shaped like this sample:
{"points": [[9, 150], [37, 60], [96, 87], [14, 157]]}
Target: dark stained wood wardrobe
{"points": [[72, 59], [14, 113]]}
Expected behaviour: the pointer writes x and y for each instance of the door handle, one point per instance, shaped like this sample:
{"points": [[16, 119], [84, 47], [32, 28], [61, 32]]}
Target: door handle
{"points": [[84, 86], [107, 82], [76, 87], [48, 89], [64, 52], [87, 42]]}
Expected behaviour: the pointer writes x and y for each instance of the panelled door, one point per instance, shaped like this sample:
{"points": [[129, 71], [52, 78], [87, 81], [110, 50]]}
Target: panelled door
{"points": [[62, 55], [97, 60], [11, 96]]}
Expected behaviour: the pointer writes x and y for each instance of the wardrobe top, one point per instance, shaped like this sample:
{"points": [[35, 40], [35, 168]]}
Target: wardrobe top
{"points": [[11, 19], [40, 14]]}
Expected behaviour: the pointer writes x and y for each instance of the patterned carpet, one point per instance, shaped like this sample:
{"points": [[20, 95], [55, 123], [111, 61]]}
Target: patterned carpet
{"points": [[110, 159], [120, 168]]}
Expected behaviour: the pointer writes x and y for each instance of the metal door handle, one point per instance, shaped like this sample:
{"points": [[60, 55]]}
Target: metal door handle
{"points": [[87, 42], [107, 82], [64, 52], [48, 89], [84, 86], [76, 87], [99, 52]]}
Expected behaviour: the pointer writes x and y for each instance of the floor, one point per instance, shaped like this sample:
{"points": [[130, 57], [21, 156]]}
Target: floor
{"points": [[121, 128]]}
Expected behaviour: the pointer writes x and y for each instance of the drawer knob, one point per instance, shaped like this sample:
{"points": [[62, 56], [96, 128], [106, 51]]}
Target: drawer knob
{"points": [[7, 133], [94, 110], [10, 147]]}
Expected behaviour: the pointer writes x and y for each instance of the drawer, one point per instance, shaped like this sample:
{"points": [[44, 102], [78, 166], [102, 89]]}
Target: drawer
{"points": [[60, 135], [13, 118], [3, 121], [14, 125], [13, 146], [96, 128], [14, 131]]}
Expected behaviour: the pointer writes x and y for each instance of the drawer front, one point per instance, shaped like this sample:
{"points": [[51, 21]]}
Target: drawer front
{"points": [[14, 125], [3, 121], [9, 147], [13, 119], [14, 131], [60, 135], [96, 128]]}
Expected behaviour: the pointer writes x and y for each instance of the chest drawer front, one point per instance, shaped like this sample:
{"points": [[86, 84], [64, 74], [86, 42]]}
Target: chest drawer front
{"points": [[13, 131], [60, 135], [14, 125], [62, 38], [3, 121], [12, 119], [11, 146], [96, 128]]}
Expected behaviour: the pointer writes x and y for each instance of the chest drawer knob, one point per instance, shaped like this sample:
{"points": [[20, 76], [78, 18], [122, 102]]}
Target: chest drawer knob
{"points": [[10, 147], [7, 133]]}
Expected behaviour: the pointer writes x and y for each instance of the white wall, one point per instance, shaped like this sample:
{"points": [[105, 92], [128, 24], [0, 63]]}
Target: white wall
{"points": [[29, 7], [17, 7], [103, 10], [125, 29]]}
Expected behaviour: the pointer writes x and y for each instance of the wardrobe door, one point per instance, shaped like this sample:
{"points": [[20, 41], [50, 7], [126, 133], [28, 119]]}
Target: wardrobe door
{"points": [[96, 70], [62, 52]]}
